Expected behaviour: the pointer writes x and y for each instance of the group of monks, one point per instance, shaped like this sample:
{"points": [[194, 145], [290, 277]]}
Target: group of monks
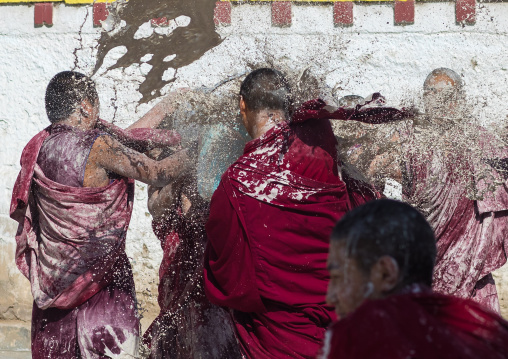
{"points": [[297, 255]]}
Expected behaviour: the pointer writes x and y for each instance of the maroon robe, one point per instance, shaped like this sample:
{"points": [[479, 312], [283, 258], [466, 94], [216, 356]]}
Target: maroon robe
{"points": [[268, 231], [188, 326], [418, 325], [470, 233], [71, 246]]}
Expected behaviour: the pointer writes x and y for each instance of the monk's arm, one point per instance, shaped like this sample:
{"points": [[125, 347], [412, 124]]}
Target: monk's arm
{"points": [[387, 163], [111, 155], [156, 114]]}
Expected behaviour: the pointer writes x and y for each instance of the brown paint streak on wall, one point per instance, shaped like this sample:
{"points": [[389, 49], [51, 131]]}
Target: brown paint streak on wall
{"points": [[187, 43]]}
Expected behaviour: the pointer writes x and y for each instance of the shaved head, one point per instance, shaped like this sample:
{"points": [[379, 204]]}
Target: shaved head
{"points": [[442, 78], [443, 95]]}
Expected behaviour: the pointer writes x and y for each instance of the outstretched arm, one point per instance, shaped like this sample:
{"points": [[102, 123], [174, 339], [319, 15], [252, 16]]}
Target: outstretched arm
{"points": [[111, 155], [154, 116]]}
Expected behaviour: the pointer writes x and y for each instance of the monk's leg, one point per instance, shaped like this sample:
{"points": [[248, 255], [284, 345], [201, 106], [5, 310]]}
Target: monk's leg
{"points": [[108, 323], [485, 293], [54, 334]]}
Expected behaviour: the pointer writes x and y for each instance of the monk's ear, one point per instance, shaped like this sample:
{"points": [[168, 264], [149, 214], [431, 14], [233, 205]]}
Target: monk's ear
{"points": [[243, 106], [243, 113], [385, 274]]}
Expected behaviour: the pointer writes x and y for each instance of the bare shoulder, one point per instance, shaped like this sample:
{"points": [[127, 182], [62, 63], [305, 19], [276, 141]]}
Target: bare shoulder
{"points": [[95, 174]]}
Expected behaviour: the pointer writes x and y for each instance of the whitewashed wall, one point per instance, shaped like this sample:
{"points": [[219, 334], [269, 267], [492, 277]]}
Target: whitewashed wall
{"points": [[372, 55]]}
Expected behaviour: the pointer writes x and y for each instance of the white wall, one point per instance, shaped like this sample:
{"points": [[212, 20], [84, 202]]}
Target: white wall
{"points": [[372, 55]]}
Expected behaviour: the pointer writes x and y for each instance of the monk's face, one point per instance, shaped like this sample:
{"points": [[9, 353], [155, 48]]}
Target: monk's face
{"points": [[349, 285], [441, 97], [89, 114]]}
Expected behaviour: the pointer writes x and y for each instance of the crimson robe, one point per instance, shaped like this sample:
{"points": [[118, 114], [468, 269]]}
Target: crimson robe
{"points": [[465, 200], [268, 231], [188, 326], [421, 325], [70, 244]]}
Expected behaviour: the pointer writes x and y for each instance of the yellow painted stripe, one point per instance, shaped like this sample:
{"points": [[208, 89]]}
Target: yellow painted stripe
{"points": [[66, 1], [309, 1]]}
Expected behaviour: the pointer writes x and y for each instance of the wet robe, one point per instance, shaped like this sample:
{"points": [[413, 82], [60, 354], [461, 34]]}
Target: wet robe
{"points": [[71, 246], [465, 200], [268, 231], [188, 326], [418, 325]]}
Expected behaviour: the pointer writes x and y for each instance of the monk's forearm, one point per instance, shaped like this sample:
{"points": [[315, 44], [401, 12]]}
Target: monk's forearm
{"points": [[170, 168], [154, 116]]}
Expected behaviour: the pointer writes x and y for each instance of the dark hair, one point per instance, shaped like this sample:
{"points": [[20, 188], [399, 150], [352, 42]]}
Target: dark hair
{"points": [[64, 93], [455, 77], [392, 228], [267, 89]]}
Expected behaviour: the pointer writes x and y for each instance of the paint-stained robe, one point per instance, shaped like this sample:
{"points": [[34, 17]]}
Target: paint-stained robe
{"points": [[71, 246], [465, 199], [188, 326], [268, 231]]}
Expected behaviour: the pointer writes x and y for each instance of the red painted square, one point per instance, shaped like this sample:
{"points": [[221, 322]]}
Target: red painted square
{"points": [[43, 14], [100, 13], [222, 13], [39, 14], [48, 14], [343, 13], [159, 22], [465, 11], [281, 13], [404, 12]]}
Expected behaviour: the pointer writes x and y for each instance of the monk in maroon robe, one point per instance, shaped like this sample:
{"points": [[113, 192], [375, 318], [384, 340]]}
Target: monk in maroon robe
{"points": [[454, 172], [271, 216], [188, 326], [461, 194], [381, 263], [73, 202]]}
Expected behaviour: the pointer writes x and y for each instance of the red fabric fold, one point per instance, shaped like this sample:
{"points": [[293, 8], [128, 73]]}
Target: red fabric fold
{"points": [[372, 111]]}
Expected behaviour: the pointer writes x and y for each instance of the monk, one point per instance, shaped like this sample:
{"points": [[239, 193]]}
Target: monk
{"points": [[451, 170], [271, 215], [188, 326], [73, 201], [381, 263]]}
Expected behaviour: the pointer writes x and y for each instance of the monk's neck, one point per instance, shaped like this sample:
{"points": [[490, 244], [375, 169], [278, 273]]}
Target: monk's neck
{"points": [[265, 120]]}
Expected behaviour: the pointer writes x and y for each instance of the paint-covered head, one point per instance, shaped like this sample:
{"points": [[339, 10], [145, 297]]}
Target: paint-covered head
{"points": [[69, 91], [443, 94], [264, 89], [376, 250]]}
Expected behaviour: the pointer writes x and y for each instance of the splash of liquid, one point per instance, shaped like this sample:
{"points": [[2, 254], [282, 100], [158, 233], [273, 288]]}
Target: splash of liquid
{"points": [[186, 44]]}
